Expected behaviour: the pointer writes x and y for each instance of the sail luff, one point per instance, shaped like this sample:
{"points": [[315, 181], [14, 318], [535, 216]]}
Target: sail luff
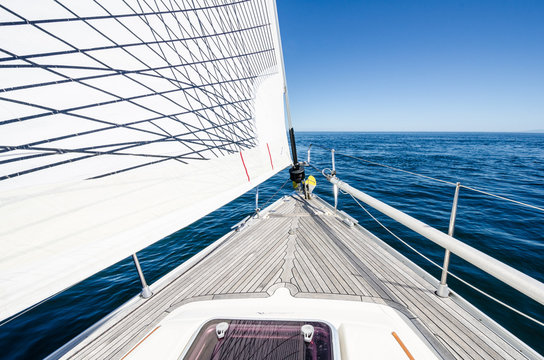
{"points": [[285, 91]]}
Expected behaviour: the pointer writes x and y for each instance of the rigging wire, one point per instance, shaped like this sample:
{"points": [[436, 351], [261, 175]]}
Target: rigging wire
{"points": [[249, 217], [431, 178], [276, 193], [441, 268], [501, 197], [387, 166], [421, 254]]}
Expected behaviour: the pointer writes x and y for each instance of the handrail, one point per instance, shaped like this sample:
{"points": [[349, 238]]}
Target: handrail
{"points": [[430, 178], [405, 243], [507, 274], [443, 290]]}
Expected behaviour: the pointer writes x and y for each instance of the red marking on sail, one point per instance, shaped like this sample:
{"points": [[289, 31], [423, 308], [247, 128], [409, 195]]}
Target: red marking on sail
{"points": [[244, 166], [270, 155]]}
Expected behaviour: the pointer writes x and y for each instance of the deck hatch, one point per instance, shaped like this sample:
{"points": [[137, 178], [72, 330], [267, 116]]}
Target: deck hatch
{"points": [[261, 339]]}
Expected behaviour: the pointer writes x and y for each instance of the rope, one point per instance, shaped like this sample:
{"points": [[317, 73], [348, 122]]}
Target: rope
{"points": [[449, 273], [276, 193], [244, 222], [433, 179], [502, 197]]}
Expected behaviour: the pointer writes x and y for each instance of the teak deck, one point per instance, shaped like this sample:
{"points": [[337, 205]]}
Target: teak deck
{"points": [[302, 245]]}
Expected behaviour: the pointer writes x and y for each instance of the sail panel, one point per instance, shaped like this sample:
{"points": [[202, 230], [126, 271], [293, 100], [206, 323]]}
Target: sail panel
{"points": [[123, 122]]}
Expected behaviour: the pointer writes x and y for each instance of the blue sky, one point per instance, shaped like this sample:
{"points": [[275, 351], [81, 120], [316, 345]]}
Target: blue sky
{"points": [[414, 65]]}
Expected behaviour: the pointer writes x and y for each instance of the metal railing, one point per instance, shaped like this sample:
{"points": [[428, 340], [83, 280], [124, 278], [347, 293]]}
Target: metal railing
{"points": [[442, 289], [146, 292], [505, 273]]}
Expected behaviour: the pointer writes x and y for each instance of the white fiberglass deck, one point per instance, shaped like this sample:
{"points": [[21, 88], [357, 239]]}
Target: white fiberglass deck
{"points": [[303, 246]]}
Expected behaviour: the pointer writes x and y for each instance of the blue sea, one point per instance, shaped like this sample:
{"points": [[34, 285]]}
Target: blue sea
{"points": [[506, 164]]}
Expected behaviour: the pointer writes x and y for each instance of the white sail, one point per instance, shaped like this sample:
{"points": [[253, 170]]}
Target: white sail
{"points": [[123, 121]]}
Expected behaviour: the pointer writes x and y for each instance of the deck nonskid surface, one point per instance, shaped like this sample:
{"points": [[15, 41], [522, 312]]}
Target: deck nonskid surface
{"points": [[300, 244]]}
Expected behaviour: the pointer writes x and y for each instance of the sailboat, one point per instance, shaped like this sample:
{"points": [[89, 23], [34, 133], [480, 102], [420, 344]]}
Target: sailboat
{"points": [[124, 121]]}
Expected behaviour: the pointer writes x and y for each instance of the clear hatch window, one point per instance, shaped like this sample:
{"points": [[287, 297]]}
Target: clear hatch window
{"points": [[259, 339]]}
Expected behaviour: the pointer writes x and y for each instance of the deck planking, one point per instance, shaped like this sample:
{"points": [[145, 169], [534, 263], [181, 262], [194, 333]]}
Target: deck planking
{"points": [[301, 244]]}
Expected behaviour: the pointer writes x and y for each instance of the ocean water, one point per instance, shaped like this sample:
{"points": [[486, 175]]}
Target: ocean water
{"points": [[506, 164]]}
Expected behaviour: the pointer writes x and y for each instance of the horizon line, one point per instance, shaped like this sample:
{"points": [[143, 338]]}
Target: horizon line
{"points": [[426, 131]]}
